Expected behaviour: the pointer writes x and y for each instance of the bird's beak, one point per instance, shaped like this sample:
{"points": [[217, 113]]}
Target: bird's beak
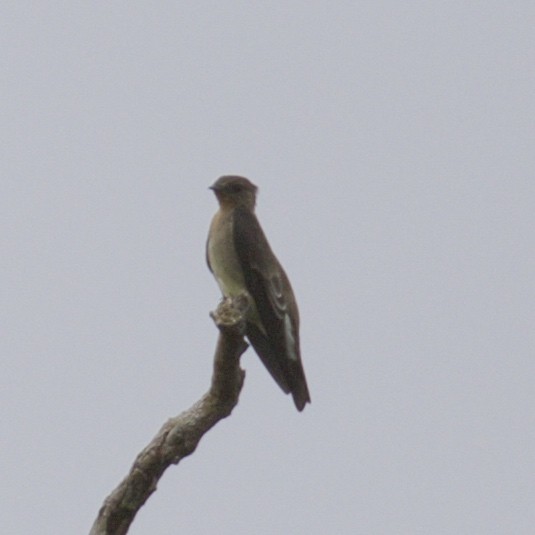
{"points": [[214, 188]]}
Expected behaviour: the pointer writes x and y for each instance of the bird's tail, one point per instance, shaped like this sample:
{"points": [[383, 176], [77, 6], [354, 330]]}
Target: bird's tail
{"points": [[298, 386]]}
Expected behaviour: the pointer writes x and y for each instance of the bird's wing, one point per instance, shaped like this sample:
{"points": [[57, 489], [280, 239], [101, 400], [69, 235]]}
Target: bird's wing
{"points": [[276, 339], [264, 277]]}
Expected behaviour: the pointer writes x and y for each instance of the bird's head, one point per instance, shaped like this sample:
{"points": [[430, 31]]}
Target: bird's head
{"points": [[235, 191]]}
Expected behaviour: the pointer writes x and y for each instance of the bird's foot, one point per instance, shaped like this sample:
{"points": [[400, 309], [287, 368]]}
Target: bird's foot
{"points": [[230, 314]]}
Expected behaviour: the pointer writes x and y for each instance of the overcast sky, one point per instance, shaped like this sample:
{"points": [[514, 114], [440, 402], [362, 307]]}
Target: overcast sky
{"points": [[393, 146]]}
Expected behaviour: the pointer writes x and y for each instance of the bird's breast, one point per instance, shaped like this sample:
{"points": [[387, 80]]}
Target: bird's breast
{"points": [[222, 256]]}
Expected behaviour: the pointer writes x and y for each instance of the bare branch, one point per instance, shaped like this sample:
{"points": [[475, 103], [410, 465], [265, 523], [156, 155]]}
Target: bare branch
{"points": [[180, 435]]}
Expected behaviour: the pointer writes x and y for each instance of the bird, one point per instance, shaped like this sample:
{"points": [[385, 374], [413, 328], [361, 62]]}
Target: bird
{"points": [[239, 256]]}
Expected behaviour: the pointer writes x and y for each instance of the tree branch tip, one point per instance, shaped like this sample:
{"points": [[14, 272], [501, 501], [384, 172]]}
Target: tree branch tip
{"points": [[229, 315], [180, 435]]}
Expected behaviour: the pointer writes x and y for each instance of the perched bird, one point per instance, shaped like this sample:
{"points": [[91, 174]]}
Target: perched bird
{"points": [[242, 262]]}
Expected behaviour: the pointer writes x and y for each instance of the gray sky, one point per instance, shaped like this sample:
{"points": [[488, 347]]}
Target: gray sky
{"points": [[393, 145]]}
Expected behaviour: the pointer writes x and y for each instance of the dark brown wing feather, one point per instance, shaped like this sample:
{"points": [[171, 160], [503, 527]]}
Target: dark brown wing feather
{"points": [[272, 293]]}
